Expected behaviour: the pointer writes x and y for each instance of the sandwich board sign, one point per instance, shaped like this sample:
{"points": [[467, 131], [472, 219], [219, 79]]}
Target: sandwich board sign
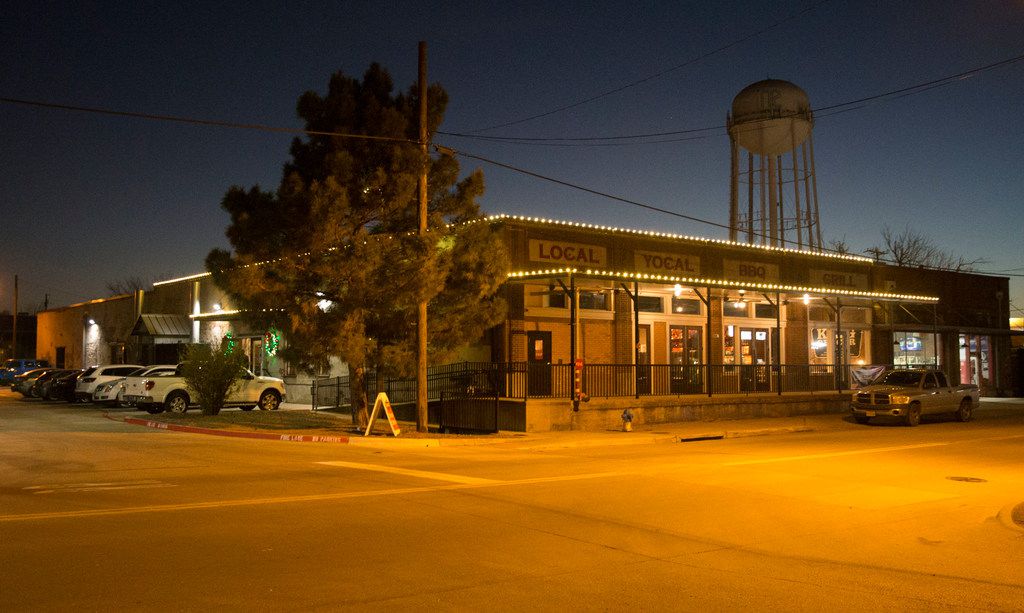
{"points": [[382, 401]]}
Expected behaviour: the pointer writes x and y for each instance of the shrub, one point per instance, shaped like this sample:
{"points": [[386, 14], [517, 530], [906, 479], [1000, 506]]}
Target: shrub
{"points": [[211, 375]]}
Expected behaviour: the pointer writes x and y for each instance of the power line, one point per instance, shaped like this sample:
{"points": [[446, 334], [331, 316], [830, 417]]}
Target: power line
{"points": [[655, 75], [201, 122], [206, 122], [450, 151], [824, 111]]}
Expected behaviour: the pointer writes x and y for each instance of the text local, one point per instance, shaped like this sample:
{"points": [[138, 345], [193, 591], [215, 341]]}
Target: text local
{"points": [[568, 253]]}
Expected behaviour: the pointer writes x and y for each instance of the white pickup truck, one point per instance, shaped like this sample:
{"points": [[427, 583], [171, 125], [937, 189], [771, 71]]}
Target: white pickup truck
{"points": [[911, 393], [169, 392]]}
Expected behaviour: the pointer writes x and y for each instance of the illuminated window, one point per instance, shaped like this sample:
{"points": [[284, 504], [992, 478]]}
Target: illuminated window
{"points": [[735, 309], [685, 306]]}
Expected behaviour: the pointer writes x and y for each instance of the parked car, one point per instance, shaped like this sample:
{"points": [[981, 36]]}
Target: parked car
{"points": [[138, 382], [95, 375], [909, 394], [171, 393], [23, 383], [17, 366], [63, 386], [111, 393], [41, 388]]}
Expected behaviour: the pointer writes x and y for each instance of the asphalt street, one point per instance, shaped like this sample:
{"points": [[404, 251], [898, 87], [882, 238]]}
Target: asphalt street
{"points": [[97, 514]]}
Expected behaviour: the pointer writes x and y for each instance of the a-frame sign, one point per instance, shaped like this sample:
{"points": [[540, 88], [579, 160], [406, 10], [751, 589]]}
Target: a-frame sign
{"points": [[382, 400]]}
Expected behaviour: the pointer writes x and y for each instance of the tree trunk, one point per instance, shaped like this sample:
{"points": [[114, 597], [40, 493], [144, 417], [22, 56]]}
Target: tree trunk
{"points": [[357, 391]]}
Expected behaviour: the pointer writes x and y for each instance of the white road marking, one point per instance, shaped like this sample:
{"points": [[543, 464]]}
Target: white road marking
{"points": [[95, 487], [411, 472]]}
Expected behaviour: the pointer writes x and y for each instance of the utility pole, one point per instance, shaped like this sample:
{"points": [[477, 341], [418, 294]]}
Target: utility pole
{"points": [[421, 307], [14, 321]]}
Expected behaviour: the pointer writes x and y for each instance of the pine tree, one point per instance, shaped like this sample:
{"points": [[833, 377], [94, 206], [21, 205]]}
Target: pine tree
{"points": [[332, 257]]}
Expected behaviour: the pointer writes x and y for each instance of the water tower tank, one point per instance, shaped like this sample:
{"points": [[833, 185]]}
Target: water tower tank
{"points": [[771, 117]]}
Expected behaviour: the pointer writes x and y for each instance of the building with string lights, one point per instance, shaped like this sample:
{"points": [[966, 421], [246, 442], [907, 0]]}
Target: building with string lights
{"points": [[667, 318], [604, 319]]}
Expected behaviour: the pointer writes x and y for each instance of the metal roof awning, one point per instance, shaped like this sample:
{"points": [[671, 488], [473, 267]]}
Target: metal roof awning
{"points": [[640, 277], [154, 324]]}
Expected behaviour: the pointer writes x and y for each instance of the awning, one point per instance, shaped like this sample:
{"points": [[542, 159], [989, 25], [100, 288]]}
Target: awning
{"points": [[153, 324]]}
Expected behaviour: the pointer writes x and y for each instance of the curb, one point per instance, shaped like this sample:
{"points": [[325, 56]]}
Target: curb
{"points": [[446, 442], [304, 438]]}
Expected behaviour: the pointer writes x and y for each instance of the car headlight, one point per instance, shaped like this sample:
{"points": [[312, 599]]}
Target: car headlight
{"points": [[899, 399]]}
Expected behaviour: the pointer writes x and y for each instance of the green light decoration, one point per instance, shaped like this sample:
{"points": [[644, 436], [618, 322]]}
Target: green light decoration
{"points": [[230, 344], [272, 341]]}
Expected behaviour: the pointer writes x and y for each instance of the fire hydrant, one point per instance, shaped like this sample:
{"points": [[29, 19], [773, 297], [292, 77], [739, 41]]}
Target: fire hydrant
{"points": [[627, 421]]}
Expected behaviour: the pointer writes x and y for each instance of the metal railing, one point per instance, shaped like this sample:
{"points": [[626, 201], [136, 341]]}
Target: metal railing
{"points": [[523, 380]]}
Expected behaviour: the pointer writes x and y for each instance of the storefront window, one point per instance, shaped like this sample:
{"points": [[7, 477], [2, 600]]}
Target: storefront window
{"points": [[764, 311], [685, 306], [729, 352], [556, 297], [916, 349], [823, 345], [597, 301], [735, 309], [975, 358], [649, 304]]}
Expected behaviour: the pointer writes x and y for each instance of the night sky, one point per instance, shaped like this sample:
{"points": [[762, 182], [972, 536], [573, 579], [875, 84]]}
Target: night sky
{"points": [[89, 199]]}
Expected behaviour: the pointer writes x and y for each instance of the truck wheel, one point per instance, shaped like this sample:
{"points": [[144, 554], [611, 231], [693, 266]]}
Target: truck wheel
{"points": [[913, 414], [270, 400], [965, 410], [176, 402]]}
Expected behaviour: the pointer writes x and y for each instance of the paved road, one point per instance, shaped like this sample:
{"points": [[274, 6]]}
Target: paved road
{"points": [[99, 515]]}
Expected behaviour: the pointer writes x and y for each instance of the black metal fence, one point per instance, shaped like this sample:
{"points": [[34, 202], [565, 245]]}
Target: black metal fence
{"points": [[522, 380]]}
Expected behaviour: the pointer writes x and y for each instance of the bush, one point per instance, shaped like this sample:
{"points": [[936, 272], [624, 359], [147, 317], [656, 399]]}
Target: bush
{"points": [[211, 375]]}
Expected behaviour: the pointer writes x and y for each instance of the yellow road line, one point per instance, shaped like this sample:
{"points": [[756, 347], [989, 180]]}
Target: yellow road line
{"points": [[411, 472], [224, 504], [834, 454]]}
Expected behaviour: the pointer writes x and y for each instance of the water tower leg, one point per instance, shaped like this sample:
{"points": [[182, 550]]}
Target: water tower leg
{"points": [[807, 199], [750, 198], [796, 201], [814, 183], [764, 210], [734, 212], [773, 203]]}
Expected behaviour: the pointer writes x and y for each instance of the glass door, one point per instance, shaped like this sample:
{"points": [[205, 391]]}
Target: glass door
{"points": [[755, 357], [686, 357], [643, 360], [538, 362]]}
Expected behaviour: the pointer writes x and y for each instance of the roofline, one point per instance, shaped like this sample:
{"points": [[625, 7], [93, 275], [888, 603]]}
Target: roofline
{"points": [[673, 236], [722, 283]]}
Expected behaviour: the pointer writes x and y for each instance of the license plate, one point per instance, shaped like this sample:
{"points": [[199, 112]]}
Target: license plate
{"points": [[869, 413]]}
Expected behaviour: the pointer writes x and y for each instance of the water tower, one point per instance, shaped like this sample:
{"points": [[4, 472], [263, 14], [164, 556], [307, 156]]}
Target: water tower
{"points": [[774, 199]]}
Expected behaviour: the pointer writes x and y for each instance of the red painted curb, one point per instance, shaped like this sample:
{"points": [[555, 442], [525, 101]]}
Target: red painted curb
{"points": [[293, 438]]}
